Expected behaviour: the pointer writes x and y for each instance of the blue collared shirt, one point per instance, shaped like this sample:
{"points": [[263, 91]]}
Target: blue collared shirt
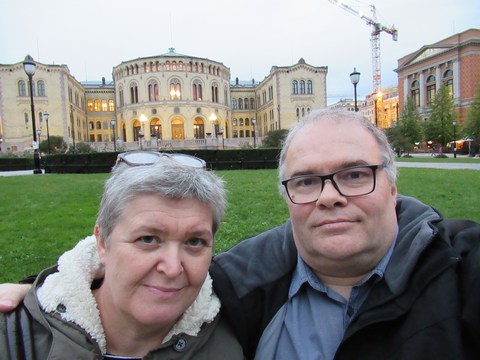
{"points": [[312, 323]]}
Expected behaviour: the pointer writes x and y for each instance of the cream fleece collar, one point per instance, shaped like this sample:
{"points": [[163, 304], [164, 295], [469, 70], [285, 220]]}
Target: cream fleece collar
{"points": [[70, 289]]}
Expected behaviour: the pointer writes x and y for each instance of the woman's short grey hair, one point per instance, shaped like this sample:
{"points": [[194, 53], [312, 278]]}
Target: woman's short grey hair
{"points": [[336, 115], [166, 178]]}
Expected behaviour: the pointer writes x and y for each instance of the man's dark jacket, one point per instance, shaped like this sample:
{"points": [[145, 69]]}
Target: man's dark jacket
{"points": [[426, 307]]}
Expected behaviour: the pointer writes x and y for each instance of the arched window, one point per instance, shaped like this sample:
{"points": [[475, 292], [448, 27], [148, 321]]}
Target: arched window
{"points": [[294, 87], [415, 93], [41, 87], [215, 93], [234, 104], [448, 81], [309, 87], [133, 93], [98, 125], [175, 89], [96, 105], [90, 105], [22, 90], [240, 104], [111, 105], [152, 90], [302, 87], [104, 105], [246, 103], [197, 90], [431, 89], [252, 103]]}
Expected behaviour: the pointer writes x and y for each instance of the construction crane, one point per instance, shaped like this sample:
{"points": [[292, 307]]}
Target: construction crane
{"points": [[377, 28]]}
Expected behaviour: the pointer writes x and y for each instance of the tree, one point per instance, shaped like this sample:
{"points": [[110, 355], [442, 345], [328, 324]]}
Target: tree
{"points": [[57, 145], [439, 127], [409, 125], [274, 138], [472, 122]]}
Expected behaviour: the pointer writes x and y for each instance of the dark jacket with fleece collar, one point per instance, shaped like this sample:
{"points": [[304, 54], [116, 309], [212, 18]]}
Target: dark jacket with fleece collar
{"points": [[427, 306]]}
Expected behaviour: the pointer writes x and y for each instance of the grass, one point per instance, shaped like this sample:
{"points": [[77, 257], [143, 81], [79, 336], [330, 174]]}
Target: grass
{"points": [[42, 216]]}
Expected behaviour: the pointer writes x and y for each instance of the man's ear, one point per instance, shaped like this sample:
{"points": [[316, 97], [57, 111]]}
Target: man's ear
{"points": [[101, 246]]}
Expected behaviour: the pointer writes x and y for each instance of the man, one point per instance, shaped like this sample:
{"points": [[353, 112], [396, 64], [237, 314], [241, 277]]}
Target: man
{"points": [[376, 275]]}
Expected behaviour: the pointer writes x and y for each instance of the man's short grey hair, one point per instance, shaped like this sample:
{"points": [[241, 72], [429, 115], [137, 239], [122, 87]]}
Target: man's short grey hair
{"points": [[337, 115], [166, 178]]}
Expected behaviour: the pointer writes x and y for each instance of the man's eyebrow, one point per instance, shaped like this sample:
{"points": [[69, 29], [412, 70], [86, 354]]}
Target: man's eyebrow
{"points": [[342, 165]]}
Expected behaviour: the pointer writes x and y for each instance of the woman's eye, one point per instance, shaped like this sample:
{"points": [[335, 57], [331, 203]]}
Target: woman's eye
{"points": [[196, 242], [149, 240]]}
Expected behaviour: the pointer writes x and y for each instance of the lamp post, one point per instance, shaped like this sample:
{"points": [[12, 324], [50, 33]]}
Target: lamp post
{"points": [[377, 96], [454, 123], [46, 116], [29, 66], [72, 123], [213, 119], [254, 121], [112, 124], [355, 78], [223, 141], [141, 133]]}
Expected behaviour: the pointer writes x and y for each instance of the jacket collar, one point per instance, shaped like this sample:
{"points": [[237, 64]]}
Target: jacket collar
{"points": [[67, 293]]}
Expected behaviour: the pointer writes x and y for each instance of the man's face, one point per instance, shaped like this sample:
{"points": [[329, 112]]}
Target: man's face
{"points": [[156, 261], [337, 236]]}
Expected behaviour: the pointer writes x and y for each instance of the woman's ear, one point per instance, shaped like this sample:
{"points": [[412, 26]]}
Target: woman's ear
{"points": [[101, 246]]}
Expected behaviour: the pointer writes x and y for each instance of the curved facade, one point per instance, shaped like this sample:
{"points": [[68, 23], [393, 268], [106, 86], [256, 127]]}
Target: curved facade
{"points": [[172, 97]]}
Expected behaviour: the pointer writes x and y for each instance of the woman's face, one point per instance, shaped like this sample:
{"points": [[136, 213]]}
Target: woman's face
{"points": [[155, 262]]}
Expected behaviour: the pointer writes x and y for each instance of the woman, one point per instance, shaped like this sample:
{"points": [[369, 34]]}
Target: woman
{"points": [[154, 240]]}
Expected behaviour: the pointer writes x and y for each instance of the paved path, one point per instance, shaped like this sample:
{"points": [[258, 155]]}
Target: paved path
{"points": [[448, 166], [428, 165]]}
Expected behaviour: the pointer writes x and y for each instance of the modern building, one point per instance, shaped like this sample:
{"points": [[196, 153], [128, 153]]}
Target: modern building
{"points": [[169, 100], [453, 62]]}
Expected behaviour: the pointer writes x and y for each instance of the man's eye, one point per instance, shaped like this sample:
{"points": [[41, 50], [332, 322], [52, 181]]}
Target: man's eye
{"points": [[149, 240]]}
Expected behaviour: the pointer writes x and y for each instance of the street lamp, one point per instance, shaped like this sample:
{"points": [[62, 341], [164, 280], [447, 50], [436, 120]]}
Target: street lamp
{"points": [[72, 124], [45, 116], [254, 121], [377, 97], [454, 123], [355, 78], [141, 133], [223, 141], [112, 124], [29, 66]]}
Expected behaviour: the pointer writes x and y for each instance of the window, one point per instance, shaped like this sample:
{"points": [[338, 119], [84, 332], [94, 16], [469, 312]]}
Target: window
{"points": [[214, 93], [90, 105], [197, 90], [448, 81], [252, 103], [98, 125], [415, 93], [294, 87], [309, 87], [152, 90], [22, 90], [175, 90], [96, 106], [234, 104], [134, 93], [111, 105], [431, 89], [104, 105], [105, 125], [302, 87], [240, 104], [41, 87], [245, 103]]}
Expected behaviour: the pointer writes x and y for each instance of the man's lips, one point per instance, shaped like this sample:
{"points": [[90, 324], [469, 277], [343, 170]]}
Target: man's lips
{"points": [[333, 222]]}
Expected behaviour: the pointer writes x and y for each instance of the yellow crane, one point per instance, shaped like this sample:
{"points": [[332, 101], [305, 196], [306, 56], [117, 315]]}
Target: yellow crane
{"points": [[377, 28]]}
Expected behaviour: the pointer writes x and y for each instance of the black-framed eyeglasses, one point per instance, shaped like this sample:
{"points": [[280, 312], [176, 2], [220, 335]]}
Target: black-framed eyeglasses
{"points": [[142, 158], [349, 182]]}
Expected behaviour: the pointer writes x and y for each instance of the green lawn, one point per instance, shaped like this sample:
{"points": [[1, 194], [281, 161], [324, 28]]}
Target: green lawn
{"points": [[42, 216]]}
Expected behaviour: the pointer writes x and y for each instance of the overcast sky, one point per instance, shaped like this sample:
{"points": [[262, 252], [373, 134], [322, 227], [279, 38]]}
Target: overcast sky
{"points": [[249, 36]]}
